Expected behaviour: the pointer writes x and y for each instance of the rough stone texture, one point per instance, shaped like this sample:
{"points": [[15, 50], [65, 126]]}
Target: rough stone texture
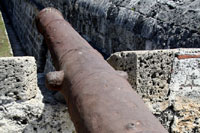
{"points": [[17, 77], [113, 25], [185, 93], [22, 14], [23, 108], [149, 74], [169, 86]]}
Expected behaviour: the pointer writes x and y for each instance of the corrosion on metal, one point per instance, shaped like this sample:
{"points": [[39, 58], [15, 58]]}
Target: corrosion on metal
{"points": [[186, 56], [99, 99]]}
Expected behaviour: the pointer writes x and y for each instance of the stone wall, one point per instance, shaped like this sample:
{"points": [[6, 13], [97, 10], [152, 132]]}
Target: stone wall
{"points": [[168, 85], [112, 25], [22, 14], [23, 108]]}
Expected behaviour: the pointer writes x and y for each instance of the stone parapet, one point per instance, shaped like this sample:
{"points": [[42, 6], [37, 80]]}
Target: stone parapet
{"points": [[18, 78], [168, 84], [23, 108], [113, 25]]}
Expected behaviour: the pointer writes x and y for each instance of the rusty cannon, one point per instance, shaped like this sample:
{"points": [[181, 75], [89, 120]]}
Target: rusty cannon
{"points": [[99, 99]]}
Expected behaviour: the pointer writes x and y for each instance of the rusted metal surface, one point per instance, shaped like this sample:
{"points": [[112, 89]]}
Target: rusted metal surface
{"points": [[186, 56], [100, 100]]}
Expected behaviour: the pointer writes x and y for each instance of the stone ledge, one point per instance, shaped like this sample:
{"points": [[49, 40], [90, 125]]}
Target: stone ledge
{"points": [[18, 77], [168, 85], [114, 25], [22, 106]]}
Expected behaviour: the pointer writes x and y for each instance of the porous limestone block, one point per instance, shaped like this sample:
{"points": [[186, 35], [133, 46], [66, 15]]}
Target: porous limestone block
{"points": [[153, 76], [169, 86], [125, 61], [18, 78], [15, 116], [149, 74], [35, 116], [185, 92], [23, 108]]}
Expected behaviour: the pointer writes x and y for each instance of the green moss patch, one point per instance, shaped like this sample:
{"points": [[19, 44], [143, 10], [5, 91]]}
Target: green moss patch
{"points": [[5, 49]]}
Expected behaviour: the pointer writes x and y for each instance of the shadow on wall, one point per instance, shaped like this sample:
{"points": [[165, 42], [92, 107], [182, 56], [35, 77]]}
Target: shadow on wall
{"points": [[111, 26]]}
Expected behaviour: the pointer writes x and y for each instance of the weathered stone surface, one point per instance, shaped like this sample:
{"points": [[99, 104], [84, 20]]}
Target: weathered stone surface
{"points": [[149, 74], [169, 86], [23, 108], [34, 116], [18, 77], [185, 92], [114, 25]]}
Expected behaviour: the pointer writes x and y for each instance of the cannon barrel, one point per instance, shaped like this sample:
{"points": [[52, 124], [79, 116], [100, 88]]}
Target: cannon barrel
{"points": [[99, 99]]}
